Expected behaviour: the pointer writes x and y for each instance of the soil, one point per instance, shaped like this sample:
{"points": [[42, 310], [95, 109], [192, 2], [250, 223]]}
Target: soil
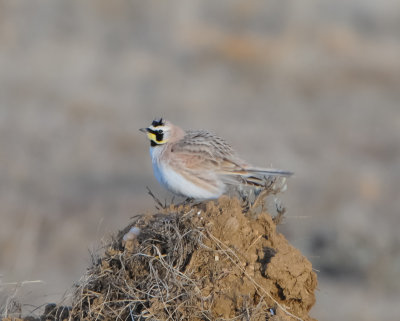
{"points": [[208, 261]]}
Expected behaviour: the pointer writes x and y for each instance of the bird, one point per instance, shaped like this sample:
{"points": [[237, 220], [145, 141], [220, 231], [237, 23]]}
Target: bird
{"points": [[198, 164]]}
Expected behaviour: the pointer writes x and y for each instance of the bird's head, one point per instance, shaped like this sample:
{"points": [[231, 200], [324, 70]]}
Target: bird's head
{"points": [[159, 132]]}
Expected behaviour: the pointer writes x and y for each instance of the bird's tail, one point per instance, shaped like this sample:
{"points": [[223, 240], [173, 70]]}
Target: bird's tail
{"points": [[255, 176], [268, 172]]}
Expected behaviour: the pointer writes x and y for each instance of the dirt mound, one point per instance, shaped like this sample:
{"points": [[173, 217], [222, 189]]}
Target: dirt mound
{"points": [[210, 261], [205, 262]]}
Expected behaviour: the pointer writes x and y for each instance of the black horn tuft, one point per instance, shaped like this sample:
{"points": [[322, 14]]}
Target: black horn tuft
{"points": [[157, 123]]}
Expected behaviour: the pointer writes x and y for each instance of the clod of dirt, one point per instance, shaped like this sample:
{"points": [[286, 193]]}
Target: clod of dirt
{"points": [[211, 261]]}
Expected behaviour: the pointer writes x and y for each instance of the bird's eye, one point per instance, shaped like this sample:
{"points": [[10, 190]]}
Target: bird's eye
{"points": [[159, 135]]}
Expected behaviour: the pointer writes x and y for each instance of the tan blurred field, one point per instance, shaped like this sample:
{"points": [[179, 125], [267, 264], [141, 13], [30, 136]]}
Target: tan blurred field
{"points": [[309, 86]]}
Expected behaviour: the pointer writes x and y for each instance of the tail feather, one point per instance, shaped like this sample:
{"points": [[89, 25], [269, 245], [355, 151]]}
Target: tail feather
{"points": [[253, 176], [269, 171]]}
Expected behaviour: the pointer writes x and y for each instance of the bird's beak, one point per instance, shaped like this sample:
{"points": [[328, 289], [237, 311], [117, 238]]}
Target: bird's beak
{"points": [[144, 130]]}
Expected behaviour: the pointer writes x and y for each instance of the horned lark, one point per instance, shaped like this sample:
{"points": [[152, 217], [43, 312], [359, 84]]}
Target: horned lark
{"points": [[198, 164]]}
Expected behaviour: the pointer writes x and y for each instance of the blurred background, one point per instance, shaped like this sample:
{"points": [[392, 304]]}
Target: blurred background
{"points": [[310, 86]]}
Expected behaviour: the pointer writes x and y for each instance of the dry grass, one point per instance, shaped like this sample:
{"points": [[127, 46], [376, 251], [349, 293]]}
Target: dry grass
{"points": [[150, 281]]}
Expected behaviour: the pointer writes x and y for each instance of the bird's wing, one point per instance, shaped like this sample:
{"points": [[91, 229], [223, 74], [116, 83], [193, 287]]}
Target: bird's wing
{"points": [[208, 155], [206, 150], [201, 141]]}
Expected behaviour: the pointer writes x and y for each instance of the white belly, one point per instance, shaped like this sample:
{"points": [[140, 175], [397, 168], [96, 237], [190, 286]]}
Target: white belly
{"points": [[178, 184]]}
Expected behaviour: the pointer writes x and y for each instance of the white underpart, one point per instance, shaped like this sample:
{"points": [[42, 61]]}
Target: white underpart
{"points": [[178, 184]]}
